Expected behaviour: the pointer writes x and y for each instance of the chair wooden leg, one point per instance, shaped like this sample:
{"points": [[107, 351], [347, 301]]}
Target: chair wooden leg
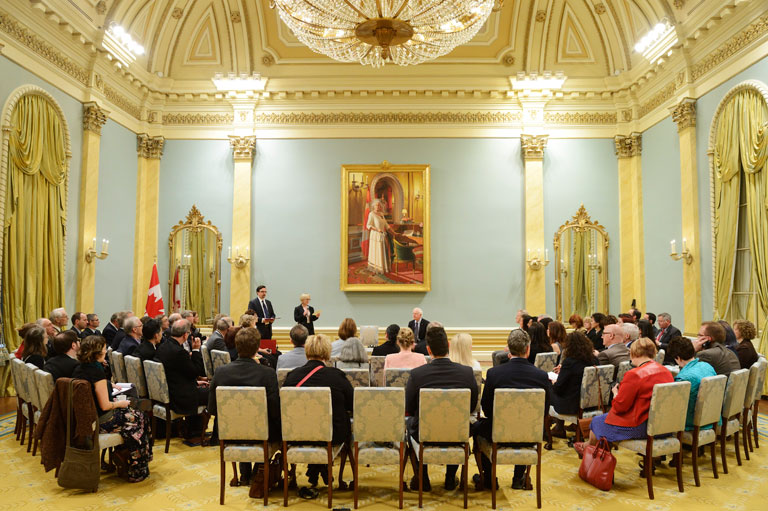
{"points": [[464, 473], [754, 424], [548, 428], [695, 455], [722, 447], [223, 472], [329, 447], [479, 463], [538, 477], [679, 463], [736, 444], [266, 473], [355, 468], [714, 459], [167, 430], [23, 429], [285, 474], [745, 432], [235, 481], [153, 421], [31, 411], [344, 453], [648, 465], [402, 469], [206, 418], [421, 471], [494, 448]]}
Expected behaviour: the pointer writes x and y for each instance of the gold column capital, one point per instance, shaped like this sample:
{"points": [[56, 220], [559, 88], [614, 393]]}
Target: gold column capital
{"points": [[149, 147], [684, 114], [628, 146], [533, 146], [94, 117], [242, 146]]}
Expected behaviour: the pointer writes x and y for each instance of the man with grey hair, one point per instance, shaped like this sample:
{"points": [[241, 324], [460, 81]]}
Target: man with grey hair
{"points": [[173, 318], [667, 332], [518, 373], [631, 333], [418, 324], [296, 357], [59, 319], [50, 330], [216, 340], [132, 327], [120, 334]]}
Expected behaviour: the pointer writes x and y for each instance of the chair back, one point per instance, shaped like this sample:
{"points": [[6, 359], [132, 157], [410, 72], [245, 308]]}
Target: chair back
{"points": [[369, 335], [16, 376], [669, 407], [282, 374], [118, 367], [34, 394], [397, 377], [207, 363], [761, 377], [623, 368], [518, 415], [590, 389], [660, 356], [734, 393], [242, 413], [377, 370], [752, 381], [157, 385], [219, 358], [306, 414], [546, 361], [709, 400], [44, 383], [443, 415], [358, 377], [403, 252], [135, 372], [379, 414]]}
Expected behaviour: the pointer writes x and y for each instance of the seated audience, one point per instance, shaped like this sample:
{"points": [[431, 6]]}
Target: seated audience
{"points": [[22, 331], [460, 351], [352, 355], [578, 355], [118, 337], [625, 318], [229, 341], [441, 373], [539, 341], [64, 363], [545, 320], [646, 329], [134, 455], [628, 417], [615, 351], [576, 323], [246, 371], [347, 330], [517, 374], [297, 356], [111, 329], [651, 317], [132, 327], [710, 348], [59, 319], [216, 340], [406, 358], [248, 320], [556, 333], [595, 333], [151, 335], [35, 349], [666, 333], [92, 327], [631, 332], [745, 331], [730, 337], [389, 346], [418, 324], [691, 369], [79, 323], [318, 351]]}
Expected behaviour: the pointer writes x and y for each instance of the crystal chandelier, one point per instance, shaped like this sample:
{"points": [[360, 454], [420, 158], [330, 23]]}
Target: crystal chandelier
{"points": [[404, 32]]}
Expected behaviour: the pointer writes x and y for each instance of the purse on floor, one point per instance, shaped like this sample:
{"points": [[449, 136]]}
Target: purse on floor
{"points": [[598, 465], [81, 468]]}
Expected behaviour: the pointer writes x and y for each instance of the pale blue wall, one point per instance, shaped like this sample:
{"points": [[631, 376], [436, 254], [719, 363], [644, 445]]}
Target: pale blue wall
{"points": [[14, 76], [661, 221], [477, 229], [196, 172], [118, 167], [576, 172]]}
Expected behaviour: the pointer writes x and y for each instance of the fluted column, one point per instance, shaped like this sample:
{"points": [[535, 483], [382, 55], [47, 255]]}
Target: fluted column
{"points": [[240, 278], [94, 118], [150, 150], [631, 242], [535, 282], [684, 114]]}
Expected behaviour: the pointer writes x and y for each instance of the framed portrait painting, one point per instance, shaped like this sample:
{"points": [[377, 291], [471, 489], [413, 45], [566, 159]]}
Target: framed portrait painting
{"points": [[385, 228]]}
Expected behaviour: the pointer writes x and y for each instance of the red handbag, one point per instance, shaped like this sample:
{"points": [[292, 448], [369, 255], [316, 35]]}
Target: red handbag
{"points": [[598, 465]]}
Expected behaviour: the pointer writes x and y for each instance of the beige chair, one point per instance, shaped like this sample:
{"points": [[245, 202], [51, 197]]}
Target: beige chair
{"points": [[243, 430], [624, 368], [758, 394], [669, 406], [396, 377], [358, 377], [443, 432], [379, 431], [546, 361], [219, 358], [709, 403], [518, 417], [207, 363], [377, 371], [157, 385], [306, 418], [660, 356], [369, 335], [118, 367], [733, 404], [134, 371], [21, 421], [282, 374], [32, 397], [44, 384], [589, 397]]}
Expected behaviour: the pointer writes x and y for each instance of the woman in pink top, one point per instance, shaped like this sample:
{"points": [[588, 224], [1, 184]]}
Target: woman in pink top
{"points": [[406, 359]]}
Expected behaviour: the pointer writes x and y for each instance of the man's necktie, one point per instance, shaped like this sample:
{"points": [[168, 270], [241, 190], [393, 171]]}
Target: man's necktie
{"points": [[264, 305]]}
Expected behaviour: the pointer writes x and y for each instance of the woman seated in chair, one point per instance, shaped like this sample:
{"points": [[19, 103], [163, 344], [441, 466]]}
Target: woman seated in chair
{"points": [[353, 355], [556, 333], [35, 350], [745, 331], [628, 417], [539, 341], [347, 331], [567, 389], [316, 374], [134, 455], [460, 351], [406, 359]]}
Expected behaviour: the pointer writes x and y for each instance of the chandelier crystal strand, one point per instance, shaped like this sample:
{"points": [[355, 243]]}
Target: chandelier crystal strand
{"points": [[374, 32]]}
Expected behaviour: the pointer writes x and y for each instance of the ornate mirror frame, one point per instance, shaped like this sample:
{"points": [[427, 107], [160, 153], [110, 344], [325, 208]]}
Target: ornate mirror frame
{"points": [[195, 222], [581, 222]]}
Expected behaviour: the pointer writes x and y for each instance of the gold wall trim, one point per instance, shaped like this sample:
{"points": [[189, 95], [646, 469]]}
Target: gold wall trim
{"points": [[569, 118], [198, 119], [388, 118], [121, 101], [734, 44]]}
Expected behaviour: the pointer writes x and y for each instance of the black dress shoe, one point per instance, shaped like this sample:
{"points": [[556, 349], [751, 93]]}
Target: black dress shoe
{"points": [[451, 483], [415, 484], [522, 484], [486, 483]]}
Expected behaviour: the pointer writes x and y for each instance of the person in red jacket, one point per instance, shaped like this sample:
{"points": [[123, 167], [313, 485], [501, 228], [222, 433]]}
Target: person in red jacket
{"points": [[628, 417]]}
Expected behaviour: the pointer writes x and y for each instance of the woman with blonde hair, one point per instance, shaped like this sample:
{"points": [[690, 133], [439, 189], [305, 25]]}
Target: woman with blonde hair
{"points": [[406, 359], [304, 314], [460, 351]]}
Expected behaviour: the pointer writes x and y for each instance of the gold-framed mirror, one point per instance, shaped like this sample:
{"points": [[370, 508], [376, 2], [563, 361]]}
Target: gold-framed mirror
{"points": [[195, 266], [581, 267]]}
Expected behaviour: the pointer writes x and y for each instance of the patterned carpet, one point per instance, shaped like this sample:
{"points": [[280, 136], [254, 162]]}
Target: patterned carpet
{"points": [[188, 478]]}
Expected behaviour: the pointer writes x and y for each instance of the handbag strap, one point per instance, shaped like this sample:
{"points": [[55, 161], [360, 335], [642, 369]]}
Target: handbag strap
{"points": [[313, 371]]}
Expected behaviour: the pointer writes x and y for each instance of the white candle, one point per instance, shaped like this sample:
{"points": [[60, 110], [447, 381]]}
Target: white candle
{"points": [[247, 252], [685, 247], [672, 247], [529, 254], [546, 254], [229, 252], [237, 251], [94, 244]]}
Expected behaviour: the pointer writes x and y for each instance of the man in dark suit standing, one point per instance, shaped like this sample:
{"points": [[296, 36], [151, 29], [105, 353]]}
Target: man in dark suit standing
{"points": [[264, 311], [79, 324], [93, 325], [441, 373], [246, 371], [666, 333], [64, 363], [182, 370], [419, 325], [518, 373]]}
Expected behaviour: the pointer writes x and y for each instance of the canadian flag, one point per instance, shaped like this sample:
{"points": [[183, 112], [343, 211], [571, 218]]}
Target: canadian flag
{"points": [[154, 295], [176, 291]]}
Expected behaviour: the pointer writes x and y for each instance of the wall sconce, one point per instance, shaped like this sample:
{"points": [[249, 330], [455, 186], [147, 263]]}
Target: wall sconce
{"points": [[563, 269], [594, 263], [92, 254], [685, 254], [535, 262], [239, 260], [186, 261]]}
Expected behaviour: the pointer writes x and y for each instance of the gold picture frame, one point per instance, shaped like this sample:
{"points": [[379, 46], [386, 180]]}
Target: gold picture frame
{"points": [[385, 228]]}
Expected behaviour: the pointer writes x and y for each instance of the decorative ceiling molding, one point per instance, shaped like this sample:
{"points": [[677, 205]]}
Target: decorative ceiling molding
{"points": [[196, 119], [729, 48], [312, 118], [573, 45], [204, 46], [579, 118]]}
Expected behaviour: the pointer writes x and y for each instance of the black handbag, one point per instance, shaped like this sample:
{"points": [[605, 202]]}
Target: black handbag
{"points": [[81, 468]]}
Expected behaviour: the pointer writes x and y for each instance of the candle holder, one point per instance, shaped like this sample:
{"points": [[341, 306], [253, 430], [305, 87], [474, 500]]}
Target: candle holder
{"points": [[684, 254], [563, 269], [594, 263], [92, 254], [239, 260], [534, 260], [185, 262]]}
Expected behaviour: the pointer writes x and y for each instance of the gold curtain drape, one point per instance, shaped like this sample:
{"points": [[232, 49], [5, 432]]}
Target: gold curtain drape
{"points": [[589, 275], [199, 286], [580, 273], [35, 217]]}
